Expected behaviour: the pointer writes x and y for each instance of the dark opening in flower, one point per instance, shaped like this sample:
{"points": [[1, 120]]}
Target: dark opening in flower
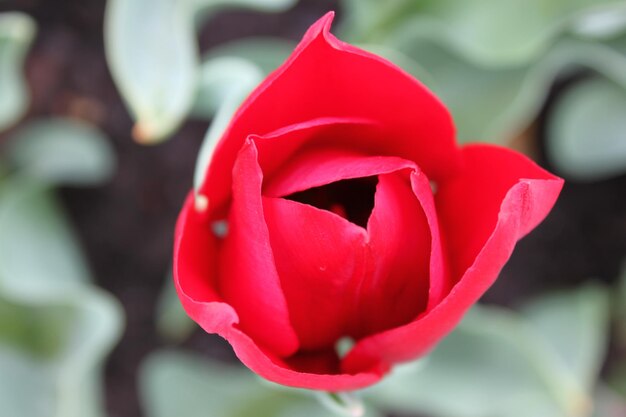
{"points": [[351, 199]]}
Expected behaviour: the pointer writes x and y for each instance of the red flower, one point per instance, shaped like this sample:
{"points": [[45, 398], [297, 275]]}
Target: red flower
{"points": [[290, 279]]}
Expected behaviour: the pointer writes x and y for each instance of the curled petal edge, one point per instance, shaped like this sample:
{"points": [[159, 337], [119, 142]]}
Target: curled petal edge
{"points": [[418, 337], [216, 316]]}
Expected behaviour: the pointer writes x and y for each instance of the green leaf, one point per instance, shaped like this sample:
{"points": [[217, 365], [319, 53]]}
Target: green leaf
{"points": [[205, 6], [266, 53], [587, 131], [575, 324], [485, 32], [222, 78], [494, 105], [64, 382], [175, 384], [494, 364], [17, 31], [62, 151], [38, 251], [38, 330], [171, 319], [227, 81], [153, 57]]}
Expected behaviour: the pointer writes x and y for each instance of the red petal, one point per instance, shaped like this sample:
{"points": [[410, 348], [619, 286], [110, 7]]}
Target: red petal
{"points": [[248, 278], [325, 77], [319, 167], [396, 288], [499, 197], [195, 253], [320, 257]]}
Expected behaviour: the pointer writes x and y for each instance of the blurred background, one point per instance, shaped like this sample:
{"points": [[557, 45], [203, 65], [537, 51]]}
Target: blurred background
{"points": [[104, 108]]}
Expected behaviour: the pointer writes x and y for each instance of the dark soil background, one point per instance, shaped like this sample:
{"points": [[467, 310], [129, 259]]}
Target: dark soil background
{"points": [[127, 225]]}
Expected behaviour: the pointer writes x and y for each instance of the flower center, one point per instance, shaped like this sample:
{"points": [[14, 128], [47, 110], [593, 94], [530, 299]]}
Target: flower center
{"points": [[351, 199]]}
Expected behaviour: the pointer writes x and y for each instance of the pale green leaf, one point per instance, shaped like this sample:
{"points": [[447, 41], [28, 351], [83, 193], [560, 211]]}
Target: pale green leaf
{"points": [[17, 31], [493, 364], [38, 330], [25, 388], [175, 384], [494, 105], [221, 78], [266, 53], [575, 324], [153, 57], [65, 382], [486, 32], [171, 319], [38, 252], [227, 81], [205, 6], [62, 151], [587, 131]]}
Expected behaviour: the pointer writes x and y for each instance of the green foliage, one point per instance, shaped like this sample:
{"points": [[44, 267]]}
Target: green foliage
{"points": [[17, 32], [56, 328], [153, 56], [494, 33], [175, 384], [172, 322], [62, 151], [587, 131], [543, 362]]}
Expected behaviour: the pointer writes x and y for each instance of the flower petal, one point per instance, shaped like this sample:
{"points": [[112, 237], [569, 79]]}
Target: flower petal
{"points": [[325, 77], [395, 290], [248, 279], [319, 256], [195, 253], [499, 197]]}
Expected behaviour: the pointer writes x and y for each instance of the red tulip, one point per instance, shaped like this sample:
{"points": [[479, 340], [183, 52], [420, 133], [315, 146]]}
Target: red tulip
{"points": [[351, 213]]}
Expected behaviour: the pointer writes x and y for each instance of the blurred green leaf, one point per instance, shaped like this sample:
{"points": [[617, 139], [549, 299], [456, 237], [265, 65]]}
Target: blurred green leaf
{"points": [[205, 6], [176, 384], [17, 31], [62, 151], [171, 320], [222, 78], [587, 131], [228, 75], [486, 104], [152, 54], [497, 363], [485, 32], [38, 330], [266, 53], [226, 81], [25, 390], [494, 105], [38, 251], [65, 382], [575, 324], [55, 328]]}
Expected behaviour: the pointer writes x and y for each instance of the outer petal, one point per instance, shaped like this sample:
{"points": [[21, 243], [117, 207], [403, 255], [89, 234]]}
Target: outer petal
{"points": [[325, 77], [320, 257], [395, 290], [194, 273], [248, 279], [499, 190]]}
